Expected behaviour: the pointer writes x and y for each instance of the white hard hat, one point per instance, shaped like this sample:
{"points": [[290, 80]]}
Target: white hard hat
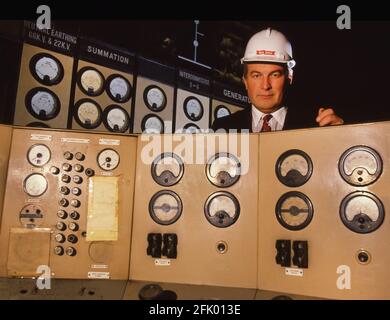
{"points": [[269, 45]]}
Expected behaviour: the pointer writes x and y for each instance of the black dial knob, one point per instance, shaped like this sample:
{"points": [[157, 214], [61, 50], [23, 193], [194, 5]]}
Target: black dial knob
{"points": [[68, 155]]}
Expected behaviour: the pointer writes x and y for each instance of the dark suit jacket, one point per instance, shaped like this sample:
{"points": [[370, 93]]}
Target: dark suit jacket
{"points": [[242, 120]]}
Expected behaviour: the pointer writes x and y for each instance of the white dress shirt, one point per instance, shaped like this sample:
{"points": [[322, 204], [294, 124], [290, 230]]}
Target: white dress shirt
{"points": [[276, 122]]}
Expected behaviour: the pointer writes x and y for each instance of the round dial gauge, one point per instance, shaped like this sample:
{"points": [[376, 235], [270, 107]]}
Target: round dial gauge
{"points": [[38, 155], [90, 81], [35, 185], [165, 207], [222, 209], [191, 128], [155, 98], [167, 169], [362, 212], [294, 210], [294, 168], [46, 69], [88, 114], [193, 108], [118, 88], [152, 124], [223, 170], [360, 165], [108, 159], [116, 119], [31, 216], [221, 111], [42, 103]]}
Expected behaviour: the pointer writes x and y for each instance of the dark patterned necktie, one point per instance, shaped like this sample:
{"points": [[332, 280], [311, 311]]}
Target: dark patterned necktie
{"points": [[266, 127]]}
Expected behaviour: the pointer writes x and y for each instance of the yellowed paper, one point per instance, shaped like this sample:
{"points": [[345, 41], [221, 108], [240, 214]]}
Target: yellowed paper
{"points": [[102, 220]]}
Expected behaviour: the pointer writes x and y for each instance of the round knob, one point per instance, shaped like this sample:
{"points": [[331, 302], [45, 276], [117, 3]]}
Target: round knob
{"points": [[68, 155], [72, 238], [59, 237], [67, 167], [73, 226], [89, 172], [79, 156], [61, 226], [75, 203], [78, 168], [77, 179], [74, 215], [62, 214], [64, 202], [76, 191], [70, 251], [59, 250], [64, 190], [65, 178], [54, 170]]}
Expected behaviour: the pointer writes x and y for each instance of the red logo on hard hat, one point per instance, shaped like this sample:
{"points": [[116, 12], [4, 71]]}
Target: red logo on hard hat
{"points": [[265, 52]]}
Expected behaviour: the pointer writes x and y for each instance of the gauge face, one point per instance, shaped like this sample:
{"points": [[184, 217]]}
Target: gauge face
{"points": [[294, 168], [116, 119], [108, 159], [155, 98], [360, 166], [222, 209], [42, 103], [118, 88], [91, 81], [223, 170], [31, 216], [35, 185], [193, 108], [88, 114], [165, 207], [152, 124], [167, 169], [191, 128], [38, 155], [46, 69], [294, 210], [221, 111], [362, 212]]}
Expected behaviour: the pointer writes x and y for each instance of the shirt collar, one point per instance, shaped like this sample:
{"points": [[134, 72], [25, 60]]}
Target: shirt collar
{"points": [[279, 115]]}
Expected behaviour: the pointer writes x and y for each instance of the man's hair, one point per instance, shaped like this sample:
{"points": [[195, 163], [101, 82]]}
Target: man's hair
{"points": [[245, 66]]}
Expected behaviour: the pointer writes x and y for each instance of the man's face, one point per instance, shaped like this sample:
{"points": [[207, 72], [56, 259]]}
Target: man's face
{"points": [[265, 85]]}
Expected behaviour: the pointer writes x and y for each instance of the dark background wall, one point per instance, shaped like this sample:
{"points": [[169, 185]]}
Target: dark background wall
{"points": [[346, 69]]}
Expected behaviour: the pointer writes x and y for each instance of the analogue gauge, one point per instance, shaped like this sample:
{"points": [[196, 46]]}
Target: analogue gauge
{"points": [[118, 88], [191, 128], [108, 159], [167, 169], [222, 209], [42, 103], [38, 155], [362, 212], [35, 185], [88, 114], [193, 108], [31, 216], [152, 124], [155, 98], [221, 111], [360, 165], [46, 69], [116, 119], [294, 168], [294, 210], [90, 81], [165, 207], [223, 170]]}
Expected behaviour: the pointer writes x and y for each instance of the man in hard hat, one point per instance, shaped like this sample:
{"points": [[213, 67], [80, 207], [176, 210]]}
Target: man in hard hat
{"points": [[268, 72]]}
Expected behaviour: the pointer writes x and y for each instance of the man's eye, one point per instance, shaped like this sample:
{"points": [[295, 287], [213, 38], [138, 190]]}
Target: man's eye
{"points": [[276, 74], [256, 75]]}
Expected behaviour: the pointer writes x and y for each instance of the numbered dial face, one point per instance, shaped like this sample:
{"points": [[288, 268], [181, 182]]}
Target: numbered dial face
{"points": [[294, 210], [223, 170], [222, 209], [362, 212], [193, 108], [90, 81], [221, 111], [38, 155], [116, 119], [294, 168], [165, 207], [360, 166], [31, 216], [35, 185], [155, 98], [108, 159], [118, 88], [167, 169], [46, 69], [88, 114], [191, 128], [42, 103], [152, 124]]}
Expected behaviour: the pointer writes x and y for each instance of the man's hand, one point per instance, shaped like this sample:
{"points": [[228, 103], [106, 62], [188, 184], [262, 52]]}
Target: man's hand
{"points": [[327, 117]]}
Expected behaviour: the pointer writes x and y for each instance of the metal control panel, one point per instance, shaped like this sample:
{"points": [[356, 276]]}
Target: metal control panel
{"points": [[74, 205], [196, 211], [322, 219]]}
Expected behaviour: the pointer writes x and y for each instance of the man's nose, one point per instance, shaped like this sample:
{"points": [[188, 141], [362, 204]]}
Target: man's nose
{"points": [[265, 83]]}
